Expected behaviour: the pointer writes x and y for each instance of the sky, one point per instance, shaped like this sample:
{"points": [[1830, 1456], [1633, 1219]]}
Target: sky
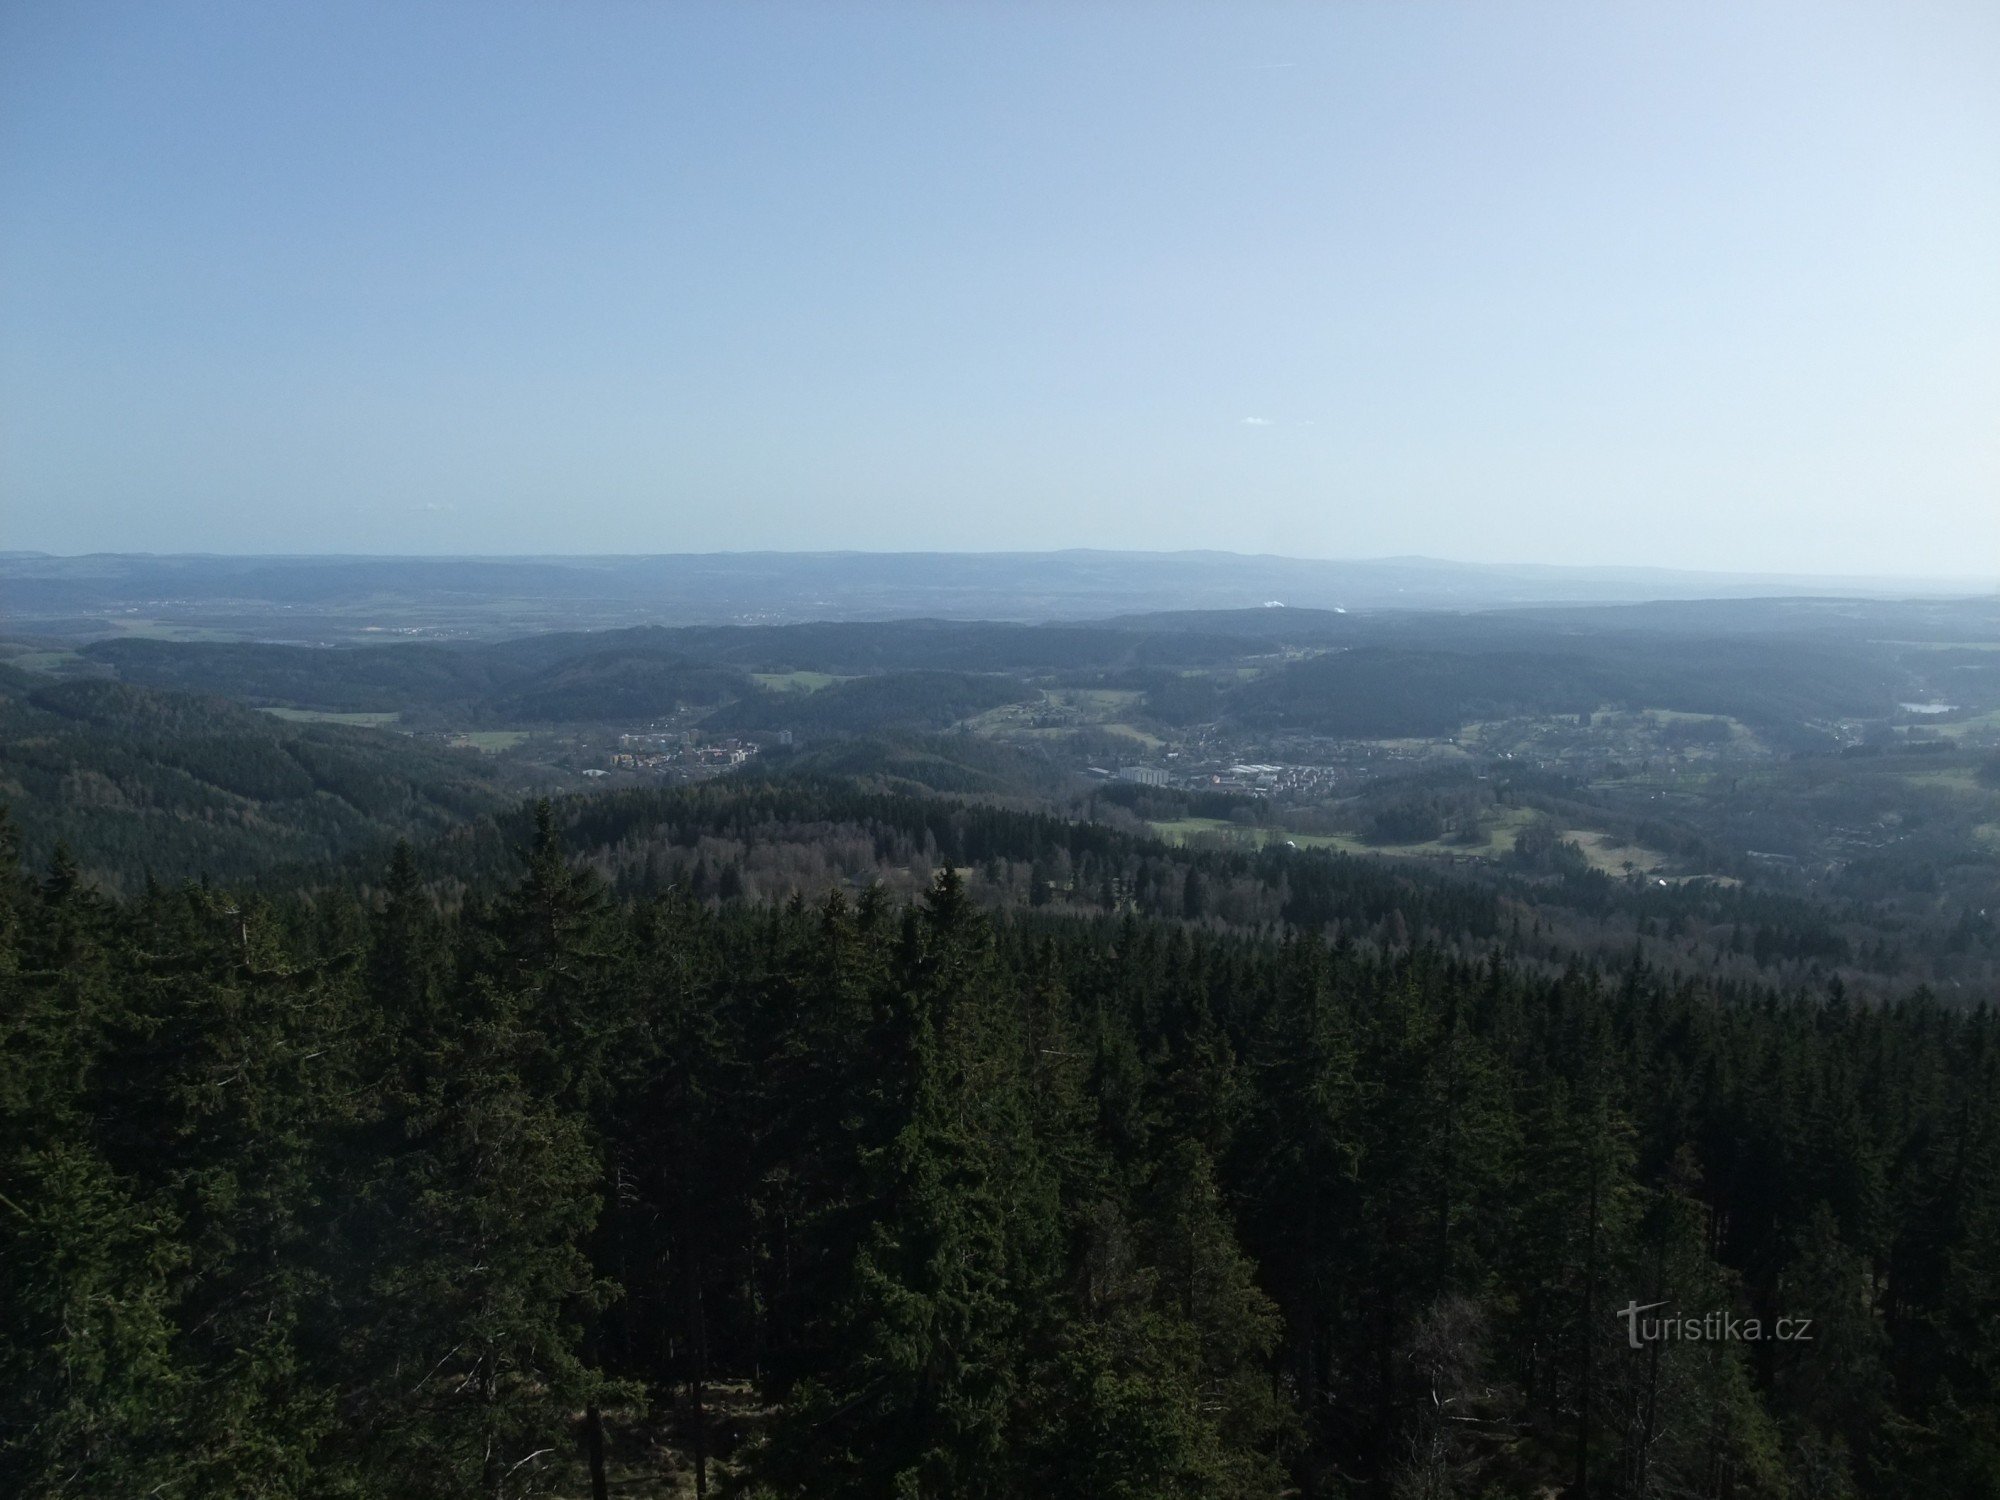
{"points": [[1698, 283]]}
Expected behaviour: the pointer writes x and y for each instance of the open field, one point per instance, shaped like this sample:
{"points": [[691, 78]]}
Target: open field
{"points": [[1180, 830], [1095, 704], [796, 682], [1499, 840], [492, 741], [1978, 726], [1063, 711], [149, 629], [1614, 859], [322, 716], [1133, 732], [39, 660]]}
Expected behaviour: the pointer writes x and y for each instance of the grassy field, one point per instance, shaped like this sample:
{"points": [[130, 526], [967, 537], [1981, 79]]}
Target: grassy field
{"points": [[318, 716], [1180, 830], [1071, 709], [1500, 835], [492, 741], [1095, 703], [1134, 733], [796, 682], [1499, 840], [1979, 725], [36, 659], [1614, 859], [166, 630]]}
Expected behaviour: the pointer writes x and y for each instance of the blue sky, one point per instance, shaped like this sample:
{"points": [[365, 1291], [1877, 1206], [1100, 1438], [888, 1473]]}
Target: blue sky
{"points": [[1689, 283]]}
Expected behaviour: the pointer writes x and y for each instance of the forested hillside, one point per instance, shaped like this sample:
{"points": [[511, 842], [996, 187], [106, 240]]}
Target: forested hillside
{"points": [[137, 781], [1383, 674], [1366, 691], [423, 1183], [891, 702]]}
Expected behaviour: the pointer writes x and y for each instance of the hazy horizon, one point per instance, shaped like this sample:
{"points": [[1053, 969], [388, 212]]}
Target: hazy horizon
{"points": [[1708, 290], [1978, 580]]}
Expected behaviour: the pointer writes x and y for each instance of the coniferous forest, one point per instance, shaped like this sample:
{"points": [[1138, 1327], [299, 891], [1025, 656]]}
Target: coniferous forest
{"points": [[535, 1177]]}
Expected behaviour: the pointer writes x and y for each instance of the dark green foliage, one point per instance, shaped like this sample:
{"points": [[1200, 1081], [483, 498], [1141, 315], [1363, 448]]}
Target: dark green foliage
{"points": [[1409, 686], [1409, 820], [366, 678], [619, 687], [1372, 691], [955, 763], [409, 1185], [893, 701], [1183, 700], [137, 780]]}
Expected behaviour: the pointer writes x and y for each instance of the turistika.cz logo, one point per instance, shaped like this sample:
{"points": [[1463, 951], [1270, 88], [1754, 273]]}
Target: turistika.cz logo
{"points": [[1709, 1328]]}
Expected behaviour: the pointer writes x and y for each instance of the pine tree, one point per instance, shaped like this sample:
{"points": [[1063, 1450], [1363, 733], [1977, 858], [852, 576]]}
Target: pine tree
{"points": [[945, 1287], [480, 1302], [1302, 1160]]}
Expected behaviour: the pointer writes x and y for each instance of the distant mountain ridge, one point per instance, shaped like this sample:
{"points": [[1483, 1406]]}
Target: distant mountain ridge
{"points": [[315, 600]]}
